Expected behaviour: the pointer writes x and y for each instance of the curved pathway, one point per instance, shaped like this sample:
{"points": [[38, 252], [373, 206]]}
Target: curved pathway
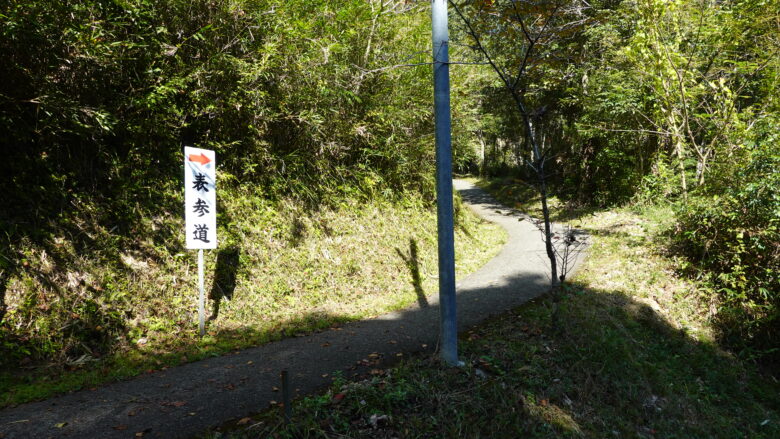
{"points": [[186, 400]]}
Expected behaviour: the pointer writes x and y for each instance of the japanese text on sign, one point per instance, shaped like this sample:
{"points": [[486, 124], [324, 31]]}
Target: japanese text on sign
{"points": [[200, 198]]}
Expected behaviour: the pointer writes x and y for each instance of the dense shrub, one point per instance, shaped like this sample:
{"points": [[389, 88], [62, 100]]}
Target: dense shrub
{"points": [[734, 239], [98, 97], [282, 90]]}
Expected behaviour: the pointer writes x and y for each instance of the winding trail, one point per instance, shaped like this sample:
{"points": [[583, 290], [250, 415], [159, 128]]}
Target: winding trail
{"points": [[186, 400]]}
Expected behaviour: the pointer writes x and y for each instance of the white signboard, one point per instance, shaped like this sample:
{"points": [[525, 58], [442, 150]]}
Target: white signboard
{"points": [[200, 198]]}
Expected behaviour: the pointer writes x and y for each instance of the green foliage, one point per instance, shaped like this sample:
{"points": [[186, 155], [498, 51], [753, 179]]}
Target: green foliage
{"points": [[97, 99], [653, 100], [622, 91], [733, 240], [99, 95], [658, 102]]}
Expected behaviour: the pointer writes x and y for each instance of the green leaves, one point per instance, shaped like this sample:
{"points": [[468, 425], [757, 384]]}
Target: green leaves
{"points": [[98, 97], [734, 241]]}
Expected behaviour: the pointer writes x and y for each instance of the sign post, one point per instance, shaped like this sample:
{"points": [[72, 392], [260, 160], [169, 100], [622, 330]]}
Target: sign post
{"points": [[200, 211]]}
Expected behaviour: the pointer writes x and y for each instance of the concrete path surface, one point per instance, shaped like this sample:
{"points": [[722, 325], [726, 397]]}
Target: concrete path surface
{"points": [[184, 401]]}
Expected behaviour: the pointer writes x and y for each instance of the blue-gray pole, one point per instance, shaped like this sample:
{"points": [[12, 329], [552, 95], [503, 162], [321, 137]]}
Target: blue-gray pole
{"points": [[441, 103]]}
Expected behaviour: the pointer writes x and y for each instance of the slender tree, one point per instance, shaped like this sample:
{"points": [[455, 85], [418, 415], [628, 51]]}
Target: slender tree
{"points": [[515, 38]]}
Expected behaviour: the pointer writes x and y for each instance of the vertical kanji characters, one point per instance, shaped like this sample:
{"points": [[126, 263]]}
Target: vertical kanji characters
{"points": [[200, 183], [200, 207], [201, 232], [200, 198]]}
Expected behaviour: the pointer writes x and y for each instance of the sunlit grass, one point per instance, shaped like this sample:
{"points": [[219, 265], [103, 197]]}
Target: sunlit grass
{"points": [[280, 270]]}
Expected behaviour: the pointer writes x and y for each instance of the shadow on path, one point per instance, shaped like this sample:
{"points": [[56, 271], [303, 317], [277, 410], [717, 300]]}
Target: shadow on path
{"points": [[218, 389], [413, 264]]}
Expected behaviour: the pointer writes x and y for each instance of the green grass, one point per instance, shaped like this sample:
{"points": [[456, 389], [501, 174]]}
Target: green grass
{"points": [[632, 357], [280, 270]]}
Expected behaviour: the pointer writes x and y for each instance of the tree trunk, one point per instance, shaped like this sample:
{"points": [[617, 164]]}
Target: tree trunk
{"points": [[481, 154], [679, 149]]}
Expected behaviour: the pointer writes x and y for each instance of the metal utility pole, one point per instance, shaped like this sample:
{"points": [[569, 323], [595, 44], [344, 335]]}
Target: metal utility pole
{"points": [[441, 102]]}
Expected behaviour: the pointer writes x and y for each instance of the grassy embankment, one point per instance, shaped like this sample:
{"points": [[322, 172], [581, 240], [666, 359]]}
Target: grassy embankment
{"points": [[280, 270], [633, 357]]}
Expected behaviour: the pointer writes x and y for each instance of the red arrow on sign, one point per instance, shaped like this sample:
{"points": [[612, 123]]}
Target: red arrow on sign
{"points": [[202, 159]]}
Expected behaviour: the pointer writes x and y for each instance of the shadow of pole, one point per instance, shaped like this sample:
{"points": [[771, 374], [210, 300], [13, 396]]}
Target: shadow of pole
{"points": [[413, 264], [224, 278]]}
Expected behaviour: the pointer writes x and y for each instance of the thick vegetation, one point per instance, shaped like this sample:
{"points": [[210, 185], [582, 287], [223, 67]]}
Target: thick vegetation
{"points": [[316, 140], [320, 114], [733, 238], [655, 102]]}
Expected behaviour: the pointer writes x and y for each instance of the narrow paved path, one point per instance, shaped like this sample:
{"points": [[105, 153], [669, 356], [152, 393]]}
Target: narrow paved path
{"points": [[186, 400]]}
